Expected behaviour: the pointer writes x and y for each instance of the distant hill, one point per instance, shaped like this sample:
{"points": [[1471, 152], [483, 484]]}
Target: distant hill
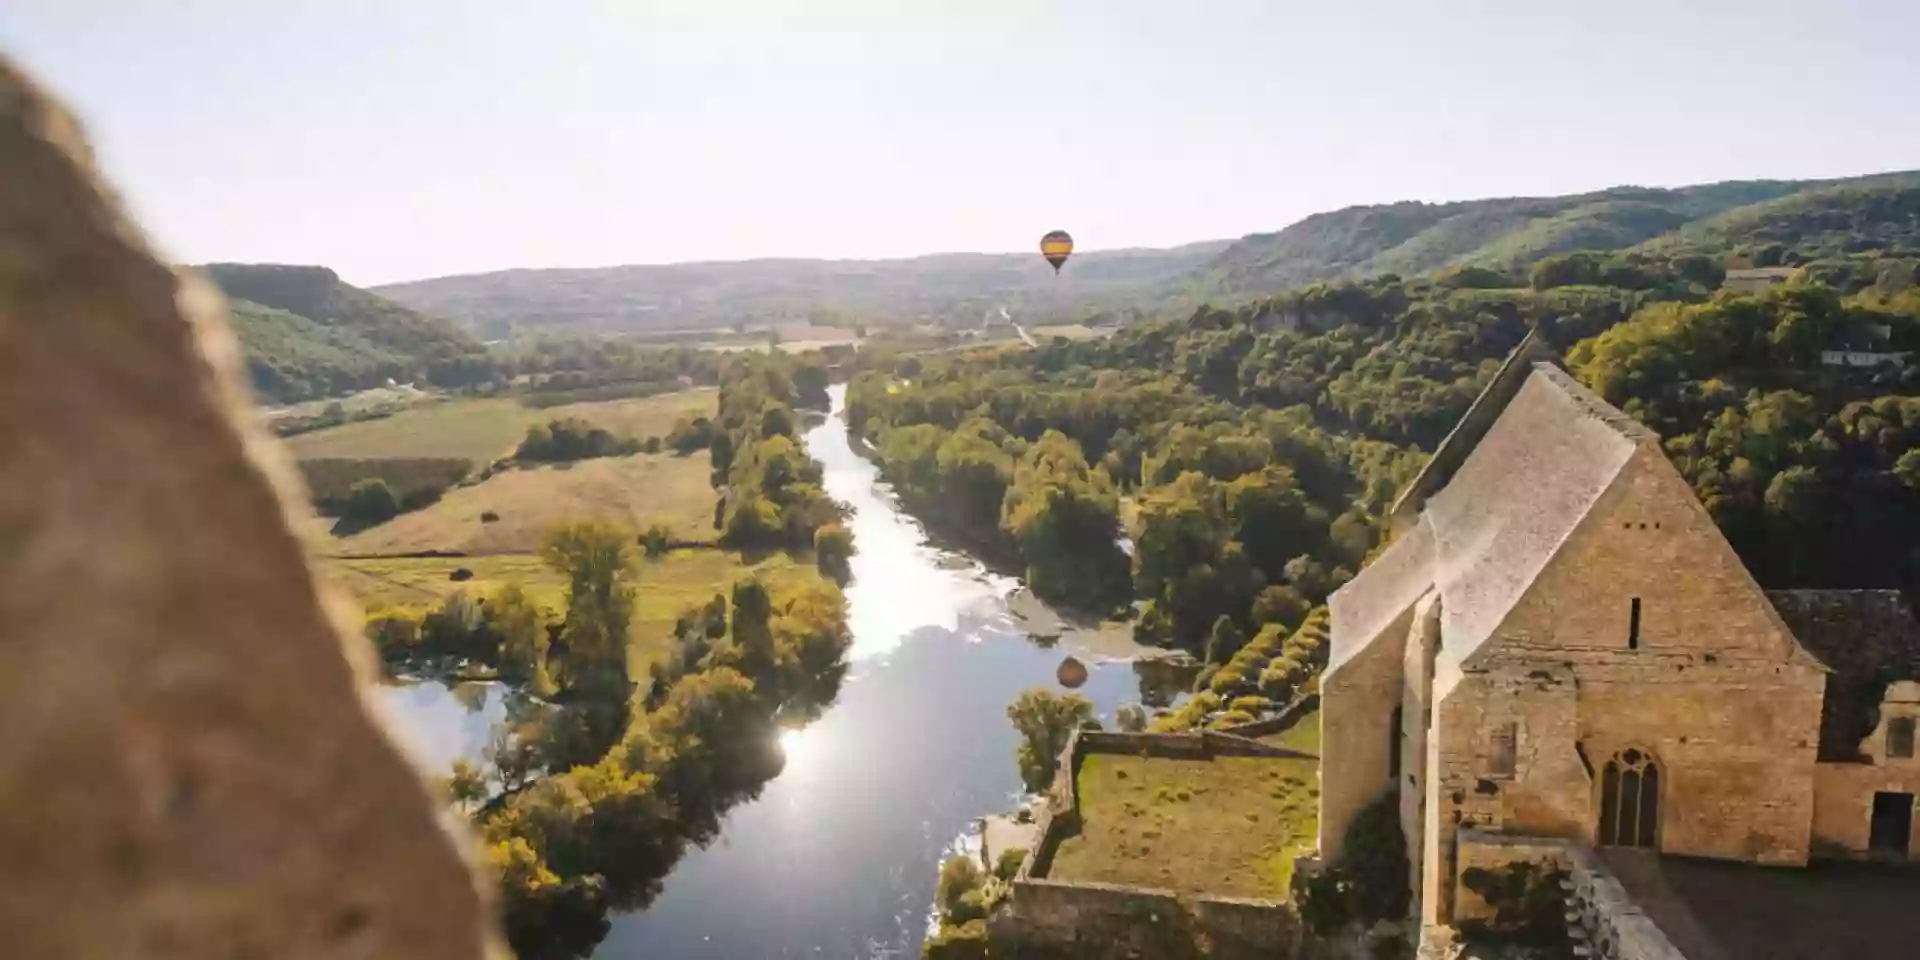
{"points": [[951, 289], [306, 334], [1415, 238], [958, 289], [1878, 214]]}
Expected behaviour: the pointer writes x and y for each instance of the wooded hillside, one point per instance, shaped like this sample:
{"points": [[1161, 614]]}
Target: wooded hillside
{"points": [[958, 290]]}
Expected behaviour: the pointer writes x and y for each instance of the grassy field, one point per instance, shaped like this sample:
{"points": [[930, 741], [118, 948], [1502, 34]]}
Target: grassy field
{"points": [[1228, 826], [635, 491], [478, 430], [667, 585], [639, 417], [1071, 331], [484, 429]]}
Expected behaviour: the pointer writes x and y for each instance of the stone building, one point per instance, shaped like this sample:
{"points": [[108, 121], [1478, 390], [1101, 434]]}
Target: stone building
{"points": [[1560, 644]]}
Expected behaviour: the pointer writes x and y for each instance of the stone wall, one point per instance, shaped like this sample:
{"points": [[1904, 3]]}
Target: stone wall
{"points": [[1087, 919], [1058, 816], [1843, 806], [1869, 639], [1715, 690], [1416, 721], [1096, 920], [1189, 745], [1479, 849], [1614, 927], [1843, 793], [189, 768], [1356, 729]]}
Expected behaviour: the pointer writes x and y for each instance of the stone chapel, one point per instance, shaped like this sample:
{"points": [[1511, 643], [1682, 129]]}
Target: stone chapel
{"points": [[1558, 643]]}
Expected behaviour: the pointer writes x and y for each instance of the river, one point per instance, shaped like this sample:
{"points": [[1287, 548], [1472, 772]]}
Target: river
{"points": [[838, 855]]}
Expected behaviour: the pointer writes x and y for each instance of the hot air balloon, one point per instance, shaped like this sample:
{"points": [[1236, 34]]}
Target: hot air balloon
{"points": [[1072, 673], [1056, 247]]}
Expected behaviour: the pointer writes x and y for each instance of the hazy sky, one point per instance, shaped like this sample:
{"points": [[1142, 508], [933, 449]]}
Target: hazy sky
{"points": [[402, 139]]}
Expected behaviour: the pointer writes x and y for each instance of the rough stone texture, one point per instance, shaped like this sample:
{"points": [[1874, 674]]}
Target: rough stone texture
{"points": [[1559, 519], [1718, 692], [1843, 792], [1496, 851], [1843, 806], [1096, 920], [188, 768], [1613, 925], [1617, 929]]}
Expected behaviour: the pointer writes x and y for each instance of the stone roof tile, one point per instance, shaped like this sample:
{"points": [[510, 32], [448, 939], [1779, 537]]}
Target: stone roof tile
{"points": [[1525, 487], [1365, 605]]}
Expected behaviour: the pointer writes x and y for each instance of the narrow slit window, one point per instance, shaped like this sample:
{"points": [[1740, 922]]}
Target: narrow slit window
{"points": [[1633, 626], [1900, 737], [1505, 737]]}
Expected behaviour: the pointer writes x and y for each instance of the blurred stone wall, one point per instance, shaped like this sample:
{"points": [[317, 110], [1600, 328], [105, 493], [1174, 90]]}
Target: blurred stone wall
{"points": [[188, 768]]}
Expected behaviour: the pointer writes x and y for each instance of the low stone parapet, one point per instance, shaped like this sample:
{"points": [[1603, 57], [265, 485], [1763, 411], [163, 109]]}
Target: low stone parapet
{"points": [[1613, 925]]}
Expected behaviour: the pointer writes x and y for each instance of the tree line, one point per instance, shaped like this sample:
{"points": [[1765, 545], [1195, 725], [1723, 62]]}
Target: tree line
{"points": [[1250, 453]]}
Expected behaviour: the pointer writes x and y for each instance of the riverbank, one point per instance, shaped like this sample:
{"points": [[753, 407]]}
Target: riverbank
{"points": [[1109, 641], [874, 793]]}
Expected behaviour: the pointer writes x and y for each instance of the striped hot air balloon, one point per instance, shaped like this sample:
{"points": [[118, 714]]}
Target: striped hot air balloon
{"points": [[1056, 247]]}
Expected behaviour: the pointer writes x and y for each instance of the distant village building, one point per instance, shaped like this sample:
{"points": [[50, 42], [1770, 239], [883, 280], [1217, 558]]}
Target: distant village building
{"points": [[1560, 644], [1758, 278], [1869, 346], [1862, 358]]}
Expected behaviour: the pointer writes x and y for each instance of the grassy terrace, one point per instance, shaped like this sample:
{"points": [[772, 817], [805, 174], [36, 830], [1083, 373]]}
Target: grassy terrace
{"points": [[1229, 826], [667, 585], [481, 430], [635, 492]]}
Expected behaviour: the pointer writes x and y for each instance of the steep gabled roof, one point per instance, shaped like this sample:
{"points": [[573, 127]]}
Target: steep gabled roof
{"points": [[1866, 638], [1465, 435], [1365, 605], [1525, 486]]}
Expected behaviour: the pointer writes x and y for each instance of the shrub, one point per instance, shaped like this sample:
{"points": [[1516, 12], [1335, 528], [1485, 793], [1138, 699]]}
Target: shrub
{"points": [[833, 551], [1131, 718], [652, 445], [965, 942], [1526, 901], [1045, 720], [568, 439], [460, 574], [959, 876], [1252, 705], [1190, 713], [1007, 864], [656, 540], [1227, 680], [415, 482], [489, 517], [370, 501], [688, 436], [394, 633]]}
